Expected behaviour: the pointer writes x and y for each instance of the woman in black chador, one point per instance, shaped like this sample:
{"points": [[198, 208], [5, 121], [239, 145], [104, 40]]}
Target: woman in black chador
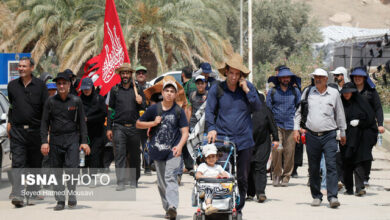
{"points": [[361, 137]]}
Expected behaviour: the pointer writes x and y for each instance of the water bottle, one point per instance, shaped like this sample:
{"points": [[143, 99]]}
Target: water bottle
{"points": [[82, 158], [204, 141], [303, 138], [380, 140], [226, 141]]}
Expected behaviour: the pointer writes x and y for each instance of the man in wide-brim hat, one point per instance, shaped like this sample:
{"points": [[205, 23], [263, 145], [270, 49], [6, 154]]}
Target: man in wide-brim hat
{"points": [[228, 115], [283, 100], [124, 67]]}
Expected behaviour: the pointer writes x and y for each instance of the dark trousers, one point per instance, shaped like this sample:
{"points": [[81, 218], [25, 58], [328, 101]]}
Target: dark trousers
{"points": [[326, 144], [65, 158], [93, 160], [127, 153], [243, 166], [257, 180], [353, 170], [108, 156], [188, 161], [367, 169], [26, 153], [340, 167]]}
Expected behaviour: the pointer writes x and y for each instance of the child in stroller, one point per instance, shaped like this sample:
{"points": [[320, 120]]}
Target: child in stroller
{"points": [[210, 169]]}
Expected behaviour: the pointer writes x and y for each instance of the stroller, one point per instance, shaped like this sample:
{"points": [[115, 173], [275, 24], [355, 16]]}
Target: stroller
{"points": [[224, 203]]}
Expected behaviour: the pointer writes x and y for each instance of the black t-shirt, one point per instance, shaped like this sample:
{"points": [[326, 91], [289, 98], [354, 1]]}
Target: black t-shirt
{"points": [[26, 103], [167, 134]]}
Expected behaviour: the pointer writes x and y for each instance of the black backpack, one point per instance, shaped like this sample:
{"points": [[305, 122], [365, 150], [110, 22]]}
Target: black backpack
{"points": [[305, 108]]}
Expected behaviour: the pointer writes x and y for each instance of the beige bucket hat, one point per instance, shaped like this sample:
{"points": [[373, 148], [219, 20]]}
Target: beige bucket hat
{"points": [[235, 61]]}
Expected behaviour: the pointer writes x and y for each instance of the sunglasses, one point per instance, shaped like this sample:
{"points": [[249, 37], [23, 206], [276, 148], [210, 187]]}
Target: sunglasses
{"points": [[141, 73]]}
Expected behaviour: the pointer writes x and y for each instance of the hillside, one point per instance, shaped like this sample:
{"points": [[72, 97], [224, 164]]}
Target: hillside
{"points": [[355, 13]]}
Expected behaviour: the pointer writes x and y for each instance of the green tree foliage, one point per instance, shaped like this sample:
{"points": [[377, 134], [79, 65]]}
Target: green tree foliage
{"points": [[281, 28], [159, 34]]}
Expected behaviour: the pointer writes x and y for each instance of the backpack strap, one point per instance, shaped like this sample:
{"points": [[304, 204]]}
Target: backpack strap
{"points": [[177, 112], [273, 91], [159, 109]]}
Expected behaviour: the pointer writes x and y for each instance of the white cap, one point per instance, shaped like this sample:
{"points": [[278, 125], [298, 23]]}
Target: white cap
{"points": [[200, 77], [169, 82], [340, 70], [209, 149], [319, 72]]}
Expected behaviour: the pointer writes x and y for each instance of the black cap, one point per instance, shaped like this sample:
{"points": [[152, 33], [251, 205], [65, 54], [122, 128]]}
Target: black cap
{"points": [[348, 87], [62, 75], [69, 72]]}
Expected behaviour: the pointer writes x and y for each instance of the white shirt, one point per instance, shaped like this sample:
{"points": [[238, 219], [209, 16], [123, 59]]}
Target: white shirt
{"points": [[209, 171]]}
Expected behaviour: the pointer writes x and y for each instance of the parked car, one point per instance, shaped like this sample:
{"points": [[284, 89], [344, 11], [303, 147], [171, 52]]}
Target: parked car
{"points": [[5, 160], [176, 74]]}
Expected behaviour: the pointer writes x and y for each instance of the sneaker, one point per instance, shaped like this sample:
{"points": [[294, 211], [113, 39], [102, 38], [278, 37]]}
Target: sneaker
{"points": [[120, 187], [316, 202], [340, 185], [284, 184], [60, 206], [348, 192], [210, 210], [172, 212], [294, 175], [37, 197], [72, 204], [261, 198], [276, 181], [133, 184], [249, 198], [17, 202], [360, 193], [191, 172], [334, 203], [148, 172]]}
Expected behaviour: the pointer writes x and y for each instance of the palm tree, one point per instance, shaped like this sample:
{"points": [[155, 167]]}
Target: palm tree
{"points": [[160, 34], [172, 33]]}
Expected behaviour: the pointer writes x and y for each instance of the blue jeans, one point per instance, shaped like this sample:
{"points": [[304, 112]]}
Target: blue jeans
{"points": [[316, 146]]}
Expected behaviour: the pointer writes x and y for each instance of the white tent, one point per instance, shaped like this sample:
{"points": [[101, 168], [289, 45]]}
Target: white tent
{"points": [[339, 43]]}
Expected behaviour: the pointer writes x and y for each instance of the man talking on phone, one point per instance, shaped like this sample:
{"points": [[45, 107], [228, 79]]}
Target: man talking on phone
{"points": [[228, 116]]}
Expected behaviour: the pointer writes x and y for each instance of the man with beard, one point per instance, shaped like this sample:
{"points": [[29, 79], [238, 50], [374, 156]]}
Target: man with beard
{"points": [[340, 75], [228, 116], [325, 114], [123, 111], [283, 100], [95, 113]]}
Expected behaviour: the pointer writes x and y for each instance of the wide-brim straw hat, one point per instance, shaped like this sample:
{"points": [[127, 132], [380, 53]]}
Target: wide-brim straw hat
{"points": [[124, 67], [235, 61], [158, 88]]}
